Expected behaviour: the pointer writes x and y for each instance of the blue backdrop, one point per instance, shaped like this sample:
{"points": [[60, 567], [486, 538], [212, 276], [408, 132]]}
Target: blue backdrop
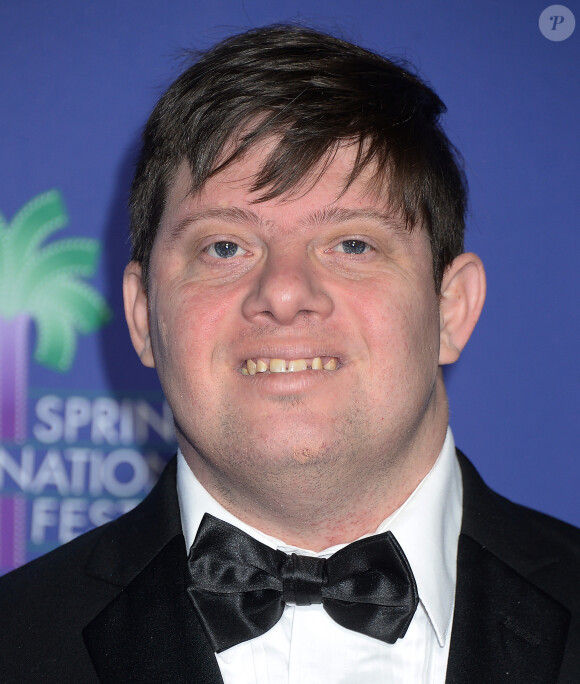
{"points": [[89, 430]]}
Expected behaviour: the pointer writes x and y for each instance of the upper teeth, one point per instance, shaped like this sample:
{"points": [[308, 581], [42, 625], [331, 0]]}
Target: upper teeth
{"points": [[252, 367]]}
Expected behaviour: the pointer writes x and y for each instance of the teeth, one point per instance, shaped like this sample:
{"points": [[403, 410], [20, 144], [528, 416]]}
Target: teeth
{"points": [[252, 367], [297, 365], [277, 366]]}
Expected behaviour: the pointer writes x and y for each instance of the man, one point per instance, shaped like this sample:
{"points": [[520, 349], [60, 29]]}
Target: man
{"points": [[298, 280]]}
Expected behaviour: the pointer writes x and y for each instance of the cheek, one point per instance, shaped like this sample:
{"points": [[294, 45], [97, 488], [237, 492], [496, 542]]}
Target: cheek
{"points": [[190, 324], [401, 328], [171, 325]]}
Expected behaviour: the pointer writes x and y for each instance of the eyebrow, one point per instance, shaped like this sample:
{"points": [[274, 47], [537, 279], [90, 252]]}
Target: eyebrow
{"points": [[228, 214], [336, 215], [342, 215]]}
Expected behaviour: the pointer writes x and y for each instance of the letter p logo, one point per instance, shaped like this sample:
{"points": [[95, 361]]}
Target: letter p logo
{"points": [[557, 23]]}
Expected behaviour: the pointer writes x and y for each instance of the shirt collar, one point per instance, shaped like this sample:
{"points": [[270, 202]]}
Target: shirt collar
{"points": [[426, 526]]}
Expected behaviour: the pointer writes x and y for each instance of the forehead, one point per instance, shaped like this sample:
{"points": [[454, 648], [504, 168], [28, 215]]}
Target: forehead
{"points": [[319, 198]]}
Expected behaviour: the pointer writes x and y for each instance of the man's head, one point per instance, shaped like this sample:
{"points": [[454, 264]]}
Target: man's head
{"points": [[294, 200], [311, 93]]}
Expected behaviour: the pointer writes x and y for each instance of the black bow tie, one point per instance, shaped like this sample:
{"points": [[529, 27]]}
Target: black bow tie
{"points": [[239, 586]]}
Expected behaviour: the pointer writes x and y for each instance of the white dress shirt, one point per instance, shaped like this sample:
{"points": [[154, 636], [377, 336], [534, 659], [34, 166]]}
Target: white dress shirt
{"points": [[306, 646]]}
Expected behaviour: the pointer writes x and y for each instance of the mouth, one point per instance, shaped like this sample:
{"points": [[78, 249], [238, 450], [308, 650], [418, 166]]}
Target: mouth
{"points": [[263, 365]]}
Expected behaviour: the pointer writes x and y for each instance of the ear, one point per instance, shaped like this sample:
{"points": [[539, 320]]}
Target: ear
{"points": [[137, 312], [461, 302]]}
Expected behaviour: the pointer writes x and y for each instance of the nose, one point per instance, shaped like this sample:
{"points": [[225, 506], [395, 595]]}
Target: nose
{"points": [[288, 287]]}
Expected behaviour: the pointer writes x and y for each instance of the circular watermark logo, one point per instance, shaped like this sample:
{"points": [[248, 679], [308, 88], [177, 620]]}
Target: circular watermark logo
{"points": [[557, 22]]}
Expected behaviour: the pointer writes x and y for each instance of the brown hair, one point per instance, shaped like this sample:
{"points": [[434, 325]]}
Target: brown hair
{"points": [[312, 92]]}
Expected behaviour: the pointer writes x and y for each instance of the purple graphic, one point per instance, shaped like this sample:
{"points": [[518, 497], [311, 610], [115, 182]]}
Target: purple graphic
{"points": [[13, 527], [13, 376]]}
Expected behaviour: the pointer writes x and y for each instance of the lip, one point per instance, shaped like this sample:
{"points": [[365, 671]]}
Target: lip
{"points": [[280, 384]]}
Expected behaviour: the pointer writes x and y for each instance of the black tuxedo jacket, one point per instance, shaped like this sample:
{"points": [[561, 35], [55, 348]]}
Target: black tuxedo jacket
{"points": [[111, 606]]}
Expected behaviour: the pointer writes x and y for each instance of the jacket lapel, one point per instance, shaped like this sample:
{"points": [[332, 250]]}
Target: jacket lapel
{"points": [[506, 628], [149, 631]]}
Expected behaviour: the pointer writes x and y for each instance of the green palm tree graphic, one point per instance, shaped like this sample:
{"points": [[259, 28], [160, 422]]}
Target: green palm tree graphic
{"points": [[41, 284]]}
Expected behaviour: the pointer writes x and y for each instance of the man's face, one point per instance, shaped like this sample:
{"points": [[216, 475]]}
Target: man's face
{"points": [[313, 281]]}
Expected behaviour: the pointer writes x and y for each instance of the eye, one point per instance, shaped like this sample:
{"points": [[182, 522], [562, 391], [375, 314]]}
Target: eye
{"points": [[352, 247], [225, 250]]}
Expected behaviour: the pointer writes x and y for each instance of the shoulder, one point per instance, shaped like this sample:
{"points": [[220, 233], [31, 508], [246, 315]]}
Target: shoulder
{"points": [[110, 553], [43, 608], [541, 548], [55, 588], [45, 604]]}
